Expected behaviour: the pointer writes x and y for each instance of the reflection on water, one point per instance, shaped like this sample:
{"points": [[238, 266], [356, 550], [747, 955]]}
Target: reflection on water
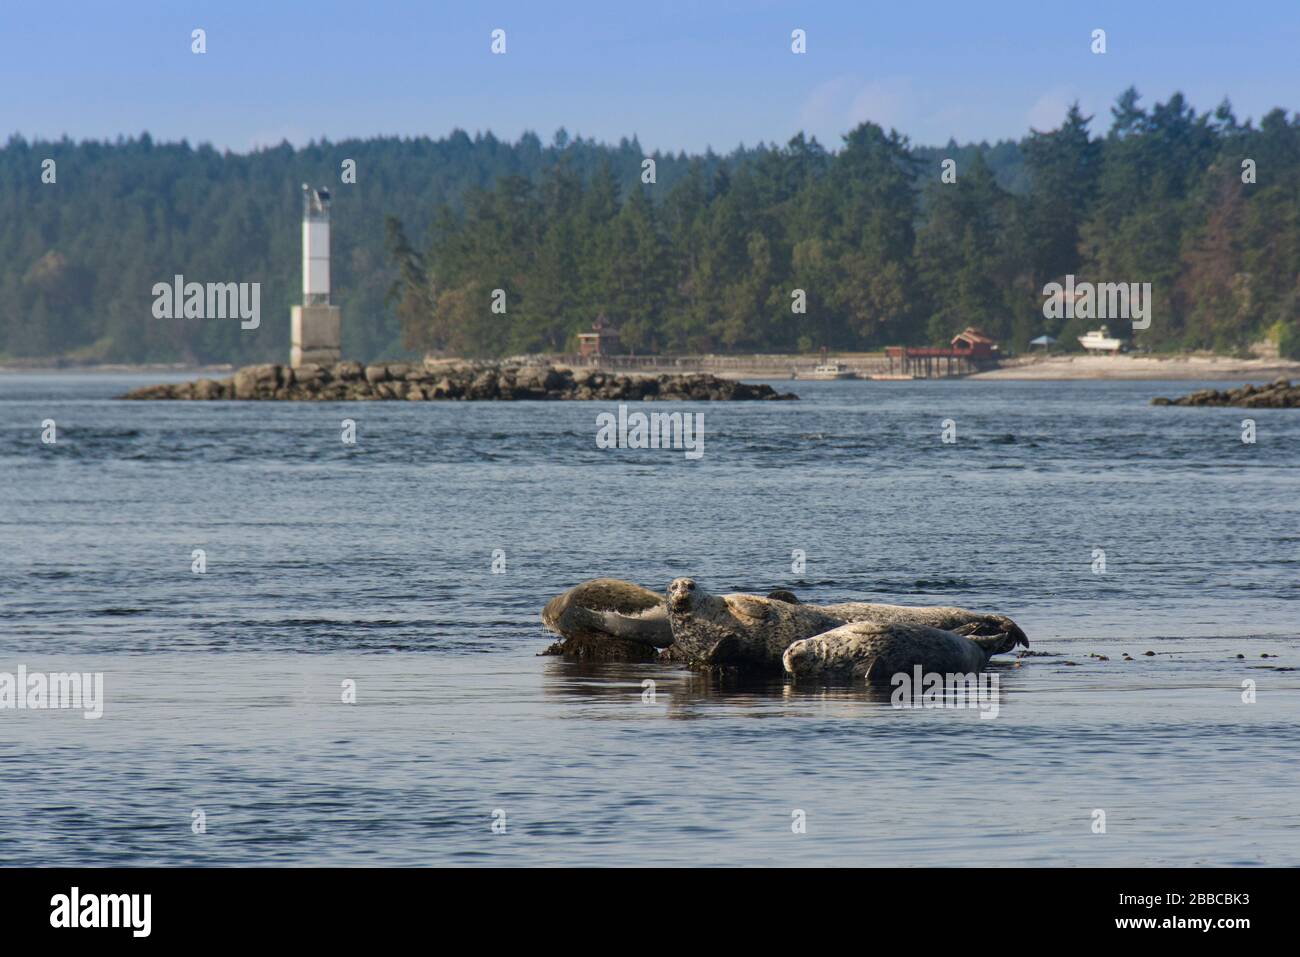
{"points": [[685, 693]]}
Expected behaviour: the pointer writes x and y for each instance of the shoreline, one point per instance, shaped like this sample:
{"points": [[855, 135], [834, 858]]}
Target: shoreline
{"points": [[1142, 367], [118, 368], [1074, 367]]}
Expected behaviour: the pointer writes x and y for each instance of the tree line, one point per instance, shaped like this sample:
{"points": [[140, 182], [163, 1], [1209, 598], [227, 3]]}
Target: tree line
{"points": [[709, 256], [797, 247], [79, 256]]}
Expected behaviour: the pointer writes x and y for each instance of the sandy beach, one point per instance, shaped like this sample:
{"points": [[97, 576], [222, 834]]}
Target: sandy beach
{"points": [[1144, 367]]}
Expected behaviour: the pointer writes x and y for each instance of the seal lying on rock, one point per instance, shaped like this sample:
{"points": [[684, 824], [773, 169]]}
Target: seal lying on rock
{"points": [[610, 619], [877, 652], [753, 632], [614, 620]]}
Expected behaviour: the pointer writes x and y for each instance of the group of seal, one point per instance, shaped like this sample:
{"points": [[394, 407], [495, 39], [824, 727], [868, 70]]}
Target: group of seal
{"points": [[851, 640]]}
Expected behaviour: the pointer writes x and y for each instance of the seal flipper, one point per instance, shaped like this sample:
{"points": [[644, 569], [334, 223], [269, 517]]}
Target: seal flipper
{"points": [[649, 627], [995, 636], [996, 644], [1014, 632]]}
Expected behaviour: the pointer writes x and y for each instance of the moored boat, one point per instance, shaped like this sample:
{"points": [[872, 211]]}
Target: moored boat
{"points": [[832, 370], [1100, 340]]}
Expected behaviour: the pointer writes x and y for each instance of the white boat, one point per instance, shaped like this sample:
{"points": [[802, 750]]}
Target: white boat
{"points": [[832, 370], [1100, 340]]}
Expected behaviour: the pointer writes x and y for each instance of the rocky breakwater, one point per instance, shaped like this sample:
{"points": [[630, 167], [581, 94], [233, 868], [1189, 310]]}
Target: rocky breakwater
{"points": [[1278, 394], [449, 380]]}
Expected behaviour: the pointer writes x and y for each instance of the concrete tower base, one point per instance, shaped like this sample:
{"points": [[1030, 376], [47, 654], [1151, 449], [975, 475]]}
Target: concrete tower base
{"points": [[314, 335]]}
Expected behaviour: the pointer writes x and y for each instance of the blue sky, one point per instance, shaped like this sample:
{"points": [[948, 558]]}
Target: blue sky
{"points": [[680, 75]]}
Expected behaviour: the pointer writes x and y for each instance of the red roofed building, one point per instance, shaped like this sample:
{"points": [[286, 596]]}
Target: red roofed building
{"points": [[969, 350], [601, 341], [974, 343]]}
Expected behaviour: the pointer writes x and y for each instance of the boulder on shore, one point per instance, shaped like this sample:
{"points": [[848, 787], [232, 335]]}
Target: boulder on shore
{"points": [[1278, 394], [454, 379]]}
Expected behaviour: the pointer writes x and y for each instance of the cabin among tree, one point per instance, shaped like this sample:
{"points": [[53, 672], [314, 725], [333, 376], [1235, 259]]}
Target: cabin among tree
{"points": [[601, 341], [975, 344], [968, 351]]}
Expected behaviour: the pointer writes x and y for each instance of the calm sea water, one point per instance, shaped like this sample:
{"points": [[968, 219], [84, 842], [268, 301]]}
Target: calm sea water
{"points": [[372, 564]]}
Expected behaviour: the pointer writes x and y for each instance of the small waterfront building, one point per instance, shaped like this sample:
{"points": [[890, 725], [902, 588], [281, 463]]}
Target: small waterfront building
{"points": [[974, 344], [601, 341], [968, 351]]}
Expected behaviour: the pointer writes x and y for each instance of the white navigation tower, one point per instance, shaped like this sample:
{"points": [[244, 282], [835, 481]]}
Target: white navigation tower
{"points": [[315, 326]]}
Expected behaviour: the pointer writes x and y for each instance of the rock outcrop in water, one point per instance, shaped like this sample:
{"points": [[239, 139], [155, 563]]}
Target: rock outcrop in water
{"points": [[1278, 394], [451, 380]]}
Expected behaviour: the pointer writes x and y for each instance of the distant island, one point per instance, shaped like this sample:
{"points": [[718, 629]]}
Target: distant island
{"points": [[476, 246]]}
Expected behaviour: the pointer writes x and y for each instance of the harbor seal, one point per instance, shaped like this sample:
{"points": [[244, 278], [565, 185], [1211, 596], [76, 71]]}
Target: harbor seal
{"points": [[615, 612], [877, 651], [606, 608], [753, 632]]}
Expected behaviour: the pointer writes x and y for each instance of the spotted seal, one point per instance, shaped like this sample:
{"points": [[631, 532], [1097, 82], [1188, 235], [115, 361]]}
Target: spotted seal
{"points": [[877, 651], [609, 608], [749, 631]]}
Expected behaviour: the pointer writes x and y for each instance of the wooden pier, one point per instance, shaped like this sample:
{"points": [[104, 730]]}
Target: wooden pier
{"points": [[928, 363], [970, 351]]}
